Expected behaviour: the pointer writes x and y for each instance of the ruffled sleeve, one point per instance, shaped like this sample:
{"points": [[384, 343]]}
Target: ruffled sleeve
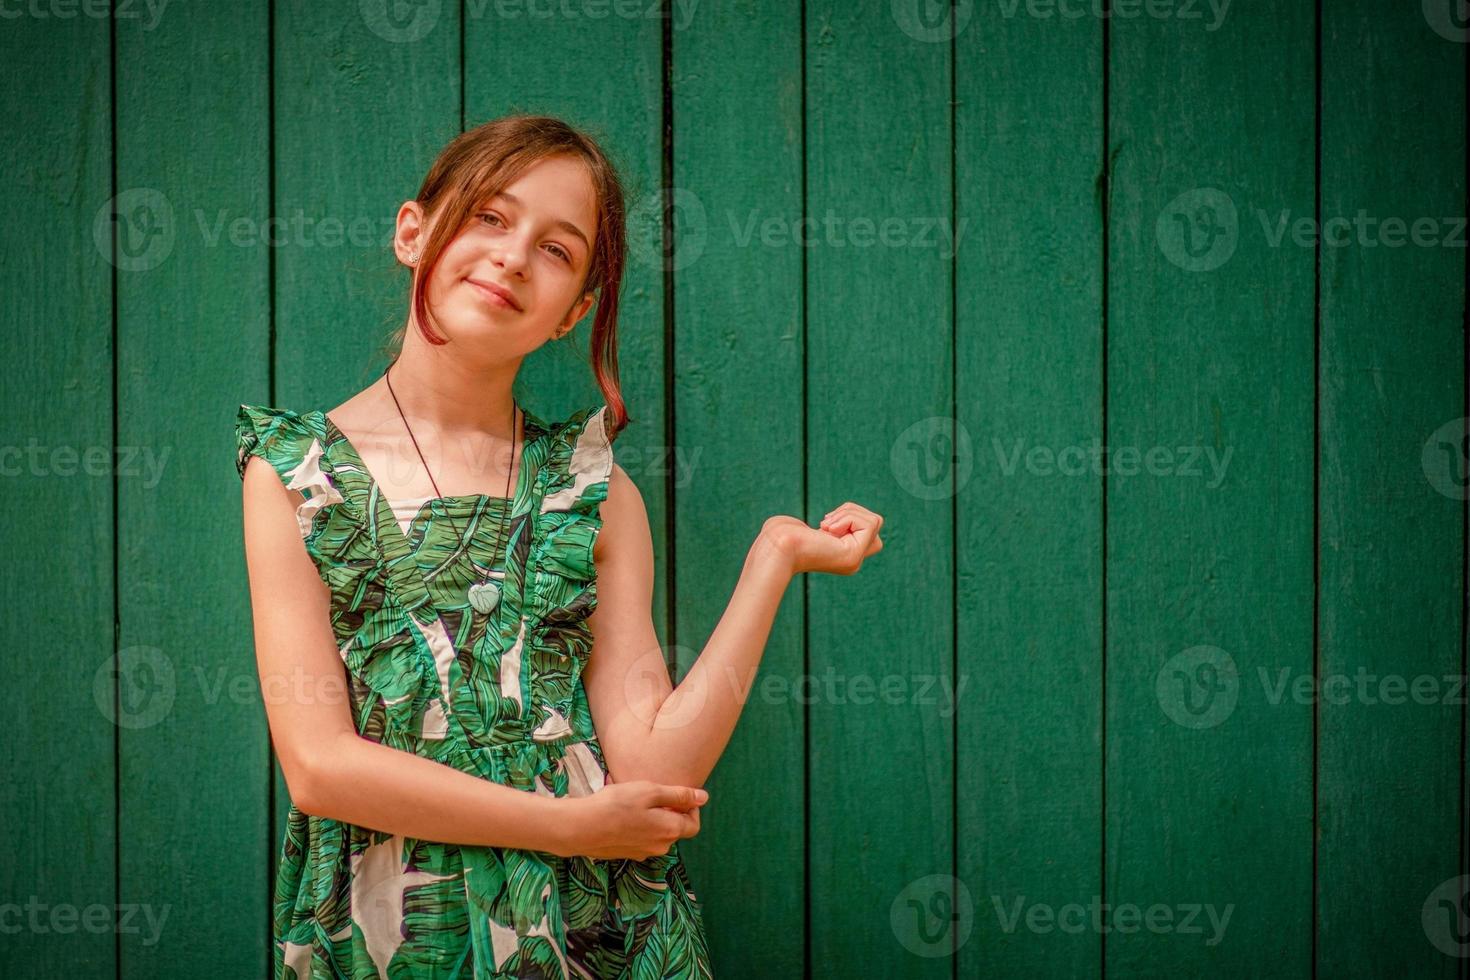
{"points": [[578, 467], [282, 438]]}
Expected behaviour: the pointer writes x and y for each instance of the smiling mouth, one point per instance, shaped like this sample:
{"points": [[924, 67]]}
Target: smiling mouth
{"points": [[496, 295]]}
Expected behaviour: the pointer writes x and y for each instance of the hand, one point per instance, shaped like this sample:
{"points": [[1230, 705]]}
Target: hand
{"points": [[635, 820], [846, 536]]}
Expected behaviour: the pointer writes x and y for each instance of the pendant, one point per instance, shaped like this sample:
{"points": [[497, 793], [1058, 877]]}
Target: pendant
{"points": [[484, 596]]}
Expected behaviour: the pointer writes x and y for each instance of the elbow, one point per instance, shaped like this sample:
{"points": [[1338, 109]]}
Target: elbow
{"points": [[306, 782], [664, 775]]}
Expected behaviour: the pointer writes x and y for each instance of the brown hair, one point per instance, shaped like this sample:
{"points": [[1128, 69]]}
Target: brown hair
{"points": [[480, 162]]}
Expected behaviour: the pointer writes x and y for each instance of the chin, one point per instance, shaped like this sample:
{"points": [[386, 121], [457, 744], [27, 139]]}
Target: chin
{"points": [[479, 327]]}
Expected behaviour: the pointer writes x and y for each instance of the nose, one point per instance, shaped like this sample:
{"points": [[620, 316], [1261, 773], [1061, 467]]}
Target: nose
{"points": [[509, 253]]}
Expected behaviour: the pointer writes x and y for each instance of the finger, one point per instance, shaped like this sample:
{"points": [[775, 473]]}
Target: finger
{"points": [[837, 511], [677, 825], [856, 517], [688, 823], [838, 524], [848, 515], [677, 797]]}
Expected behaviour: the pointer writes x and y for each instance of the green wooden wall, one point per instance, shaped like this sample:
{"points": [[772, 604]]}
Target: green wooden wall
{"points": [[930, 257]]}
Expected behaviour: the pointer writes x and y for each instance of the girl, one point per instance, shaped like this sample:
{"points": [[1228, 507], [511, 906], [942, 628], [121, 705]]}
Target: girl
{"points": [[485, 578]]}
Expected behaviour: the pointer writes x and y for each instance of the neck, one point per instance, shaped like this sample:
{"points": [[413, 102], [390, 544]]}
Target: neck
{"points": [[436, 386]]}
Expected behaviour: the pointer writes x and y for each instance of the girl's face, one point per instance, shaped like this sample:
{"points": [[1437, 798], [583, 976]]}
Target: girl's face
{"points": [[513, 277]]}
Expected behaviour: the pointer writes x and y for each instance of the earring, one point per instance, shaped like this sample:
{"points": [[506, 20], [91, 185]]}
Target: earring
{"points": [[414, 257]]}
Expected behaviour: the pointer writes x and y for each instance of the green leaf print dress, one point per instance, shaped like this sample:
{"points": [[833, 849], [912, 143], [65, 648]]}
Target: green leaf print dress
{"points": [[498, 696]]}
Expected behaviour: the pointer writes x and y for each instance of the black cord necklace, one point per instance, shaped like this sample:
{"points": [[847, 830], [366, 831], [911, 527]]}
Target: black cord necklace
{"points": [[483, 594]]}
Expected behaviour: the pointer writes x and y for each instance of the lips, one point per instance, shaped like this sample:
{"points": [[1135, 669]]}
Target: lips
{"points": [[497, 291]]}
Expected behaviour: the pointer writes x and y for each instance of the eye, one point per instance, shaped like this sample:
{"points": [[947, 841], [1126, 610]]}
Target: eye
{"points": [[560, 252]]}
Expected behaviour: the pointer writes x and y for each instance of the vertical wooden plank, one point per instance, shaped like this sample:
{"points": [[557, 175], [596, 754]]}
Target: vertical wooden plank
{"points": [[1208, 786], [1029, 343], [737, 269], [193, 307], [366, 94], [1392, 490], [57, 859], [536, 58], [880, 656]]}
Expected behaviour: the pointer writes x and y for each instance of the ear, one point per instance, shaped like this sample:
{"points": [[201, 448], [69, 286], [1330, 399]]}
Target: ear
{"points": [[574, 316], [409, 234]]}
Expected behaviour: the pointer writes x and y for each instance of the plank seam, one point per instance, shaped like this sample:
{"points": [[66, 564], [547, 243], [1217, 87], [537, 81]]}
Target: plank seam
{"points": [[1316, 471], [1106, 201], [270, 361]]}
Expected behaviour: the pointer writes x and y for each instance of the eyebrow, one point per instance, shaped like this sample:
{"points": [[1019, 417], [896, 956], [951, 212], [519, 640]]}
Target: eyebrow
{"points": [[561, 223]]}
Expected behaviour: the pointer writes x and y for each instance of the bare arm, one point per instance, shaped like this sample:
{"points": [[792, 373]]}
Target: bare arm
{"points": [[333, 772], [647, 728]]}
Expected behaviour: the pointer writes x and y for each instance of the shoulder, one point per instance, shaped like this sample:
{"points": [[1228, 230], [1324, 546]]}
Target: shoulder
{"points": [[578, 461], [280, 500], [280, 436], [624, 517], [290, 442], [586, 428], [586, 479], [622, 493]]}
